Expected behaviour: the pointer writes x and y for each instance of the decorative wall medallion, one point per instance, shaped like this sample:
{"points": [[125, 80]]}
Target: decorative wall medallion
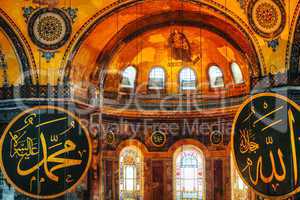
{"points": [[45, 147], [266, 145], [267, 17], [110, 137], [158, 138], [216, 137], [49, 28]]}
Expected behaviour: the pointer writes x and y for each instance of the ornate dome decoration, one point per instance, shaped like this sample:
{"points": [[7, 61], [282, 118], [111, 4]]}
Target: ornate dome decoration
{"points": [[49, 28], [267, 17]]}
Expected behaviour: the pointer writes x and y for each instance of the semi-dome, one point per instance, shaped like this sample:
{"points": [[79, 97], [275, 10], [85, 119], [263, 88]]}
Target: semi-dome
{"points": [[177, 61]]}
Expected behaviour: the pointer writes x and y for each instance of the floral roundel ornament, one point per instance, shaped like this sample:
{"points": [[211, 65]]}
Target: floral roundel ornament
{"points": [[267, 17], [45, 152], [49, 29], [266, 145]]}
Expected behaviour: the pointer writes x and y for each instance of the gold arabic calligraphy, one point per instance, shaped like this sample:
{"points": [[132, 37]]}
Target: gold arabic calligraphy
{"points": [[248, 145], [24, 149]]}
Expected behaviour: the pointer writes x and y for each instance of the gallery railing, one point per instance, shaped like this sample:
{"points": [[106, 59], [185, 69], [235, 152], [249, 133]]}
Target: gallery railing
{"points": [[147, 101], [35, 91]]}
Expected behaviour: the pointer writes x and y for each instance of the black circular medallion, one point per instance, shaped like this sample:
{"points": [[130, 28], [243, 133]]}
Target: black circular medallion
{"points": [[49, 29], [45, 152], [266, 144], [110, 137], [216, 137], [158, 138]]}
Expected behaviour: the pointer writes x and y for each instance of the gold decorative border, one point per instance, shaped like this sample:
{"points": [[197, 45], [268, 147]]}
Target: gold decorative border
{"points": [[286, 99], [45, 107]]}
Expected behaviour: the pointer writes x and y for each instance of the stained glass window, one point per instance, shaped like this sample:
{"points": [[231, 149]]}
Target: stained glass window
{"points": [[189, 174], [237, 73], [128, 77], [239, 190], [215, 77], [157, 78], [131, 173], [187, 79]]}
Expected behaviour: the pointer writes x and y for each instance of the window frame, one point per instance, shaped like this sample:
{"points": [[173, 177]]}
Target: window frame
{"points": [[233, 76], [135, 79], [137, 180], [179, 80], [164, 82], [210, 78], [201, 154], [235, 179]]}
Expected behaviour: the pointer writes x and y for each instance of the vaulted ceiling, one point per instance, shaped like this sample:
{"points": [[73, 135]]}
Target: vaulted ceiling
{"points": [[88, 27]]}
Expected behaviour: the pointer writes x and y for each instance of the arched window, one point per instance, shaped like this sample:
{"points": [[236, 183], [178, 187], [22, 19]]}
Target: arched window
{"points": [[189, 173], [128, 77], [131, 173], [237, 73], [187, 79], [239, 190], [215, 77], [157, 78]]}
